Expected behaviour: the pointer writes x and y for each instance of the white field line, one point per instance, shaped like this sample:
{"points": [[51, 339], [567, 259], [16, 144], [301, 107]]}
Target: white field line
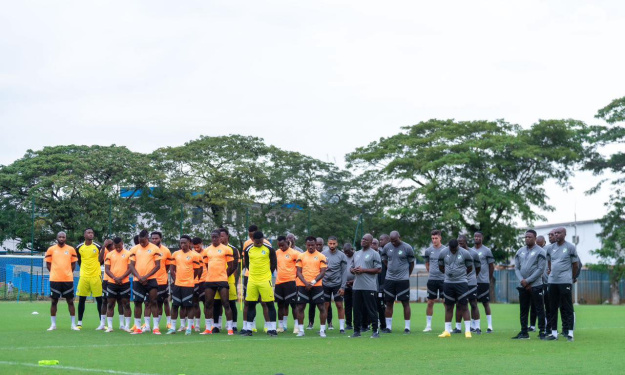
{"points": [[72, 368]]}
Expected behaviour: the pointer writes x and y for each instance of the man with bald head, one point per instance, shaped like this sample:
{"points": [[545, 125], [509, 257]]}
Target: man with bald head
{"points": [[61, 262], [398, 257], [367, 264], [563, 263]]}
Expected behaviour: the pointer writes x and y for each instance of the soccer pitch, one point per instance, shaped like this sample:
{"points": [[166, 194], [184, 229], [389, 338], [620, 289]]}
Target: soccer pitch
{"points": [[598, 348]]}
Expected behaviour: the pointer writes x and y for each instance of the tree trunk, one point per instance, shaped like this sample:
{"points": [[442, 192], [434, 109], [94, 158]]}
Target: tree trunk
{"points": [[614, 289]]}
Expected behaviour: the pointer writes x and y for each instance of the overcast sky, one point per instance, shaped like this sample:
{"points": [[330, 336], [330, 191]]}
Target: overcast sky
{"points": [[318, 77]]}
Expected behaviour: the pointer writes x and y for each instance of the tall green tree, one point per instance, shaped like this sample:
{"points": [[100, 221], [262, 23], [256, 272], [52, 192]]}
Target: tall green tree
{"points": [[72, 187], [612, 252], [472, 175]]}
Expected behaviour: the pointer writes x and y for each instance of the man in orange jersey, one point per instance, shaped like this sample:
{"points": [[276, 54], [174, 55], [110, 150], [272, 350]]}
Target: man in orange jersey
{"points": [[250, 241], [224, 238], [107, 247], [198, 289], [61, 261], [185, 268], [285, 289], [116, 267], [220, 265], [162, 278], [311, 267], [145, 261]]}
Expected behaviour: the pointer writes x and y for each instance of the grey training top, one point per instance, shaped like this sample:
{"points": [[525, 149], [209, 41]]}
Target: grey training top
{"points": [[431, 257], [350, 264], [546, 273], [530, 264], [486, 258], [562, 258], [335, 273], [366, 259], [456, 265], [471, 277], [399, 259], [298, 249]]}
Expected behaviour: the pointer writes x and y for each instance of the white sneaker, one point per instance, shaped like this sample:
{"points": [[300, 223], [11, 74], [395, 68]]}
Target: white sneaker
{"points": [[295, 329], [427, 329], [280, 330], [108, 329], [126, 329], [301, 334], [101, 327], [74, 328], [322, 333], [52, 328], [145, 328]]}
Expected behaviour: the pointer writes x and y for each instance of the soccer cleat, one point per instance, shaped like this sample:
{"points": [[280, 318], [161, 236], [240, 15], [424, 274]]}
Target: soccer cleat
{"points": [[531, 329], [349, 327], [301, 334], [126, 329], [206, 332], [197, 329], [133, 327], [472, 330], [295, 329], [444, 334], [489, 330], [467, 334], [181, 329], [569, 338], [171, 331], [386, 330], [136, 331], [243, 331], [365, 329], [79, 326], [247, 333], [542, 336], [456, 330], [234, 329], [355, 334], [254, 329], [478, 331], [272, 333], [427, 329], [406, 331], [168, 326], [280, 330], [310, 326], [187, 332], [74, 328], [101, 327], [230, 332], [375, 335], [156, 331], [265, 330], [551, 338], [521, 336], [322, 333], [216, 330], [145, 328], [108, 329], [52, 328], [330, 327], [342, 331]]}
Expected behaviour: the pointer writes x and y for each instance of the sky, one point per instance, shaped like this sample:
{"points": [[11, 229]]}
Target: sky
{"points": [[317, 77]]}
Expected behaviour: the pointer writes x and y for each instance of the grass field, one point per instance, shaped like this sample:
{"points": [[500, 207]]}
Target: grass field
{"points": [[598, 348]]}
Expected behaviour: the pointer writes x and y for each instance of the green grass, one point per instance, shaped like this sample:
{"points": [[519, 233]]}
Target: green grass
{"points": [[598, 348]]}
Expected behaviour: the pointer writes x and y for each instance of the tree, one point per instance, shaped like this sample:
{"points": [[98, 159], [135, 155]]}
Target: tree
{"points": [[72, 187], [612, 252], [473, 175]]}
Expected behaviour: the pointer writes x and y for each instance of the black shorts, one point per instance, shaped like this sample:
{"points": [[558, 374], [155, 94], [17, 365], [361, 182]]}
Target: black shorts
{"points": [[199, 291], [472, 293], [483, 292], [141, 292], [285, 292], [216, 285], [456, 293], [118, 291], [182, 296], [396, 289], [332, 291], [61, 289], [314, 295], [104, 285], [435, 289], [163, 293]]}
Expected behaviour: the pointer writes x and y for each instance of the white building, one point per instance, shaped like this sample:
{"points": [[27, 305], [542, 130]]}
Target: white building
{"points": [[584, 234]]}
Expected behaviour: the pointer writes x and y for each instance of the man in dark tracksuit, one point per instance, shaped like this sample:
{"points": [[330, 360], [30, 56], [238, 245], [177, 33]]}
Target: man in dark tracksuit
{"points": [[529, 265], [367, 265]]}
